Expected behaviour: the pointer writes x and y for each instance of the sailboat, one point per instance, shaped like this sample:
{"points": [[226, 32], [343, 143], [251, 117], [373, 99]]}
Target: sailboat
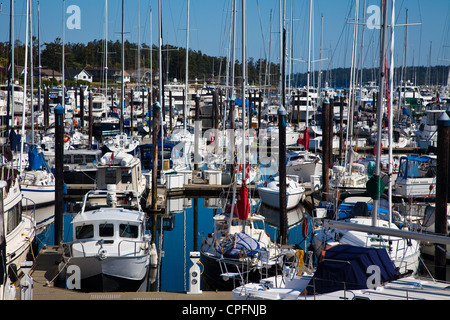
{"points": [[38, 182], [239, 248], [404, 252]]}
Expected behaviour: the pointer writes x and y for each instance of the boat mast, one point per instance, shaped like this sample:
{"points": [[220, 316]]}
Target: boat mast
{"points": [[11, 102], [160, 53], [381, 87], [23, 134], [244, 79], [106, 55], [31, 73], [39, 57], [352, 90], [390, 113], [63, 99], [309, 68], [187, 68], [122, 94]]}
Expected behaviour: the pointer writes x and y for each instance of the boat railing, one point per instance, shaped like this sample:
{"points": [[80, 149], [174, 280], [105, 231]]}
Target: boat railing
{"points": [[396, 247], [139, 245]]}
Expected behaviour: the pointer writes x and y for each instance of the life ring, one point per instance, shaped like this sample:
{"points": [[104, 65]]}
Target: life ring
{"points": [[66, 138]]}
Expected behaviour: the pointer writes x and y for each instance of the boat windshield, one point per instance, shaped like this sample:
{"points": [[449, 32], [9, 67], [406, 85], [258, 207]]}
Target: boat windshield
{"points": [[417, 168]]}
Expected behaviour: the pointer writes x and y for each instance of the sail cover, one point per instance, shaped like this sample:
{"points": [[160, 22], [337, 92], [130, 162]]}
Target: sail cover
{"points": [[345, 267]]}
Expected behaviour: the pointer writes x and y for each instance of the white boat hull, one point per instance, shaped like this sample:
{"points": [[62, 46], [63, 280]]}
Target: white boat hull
{"points": [[39, 195], [271, 198]]}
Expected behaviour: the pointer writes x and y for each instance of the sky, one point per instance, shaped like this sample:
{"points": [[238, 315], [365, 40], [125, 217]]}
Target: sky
{"points": [[209, 25]]}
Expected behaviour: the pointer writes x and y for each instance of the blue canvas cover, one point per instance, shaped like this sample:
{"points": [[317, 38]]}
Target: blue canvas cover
{"points": [[243, 244], [34, 159], [344, 267]]}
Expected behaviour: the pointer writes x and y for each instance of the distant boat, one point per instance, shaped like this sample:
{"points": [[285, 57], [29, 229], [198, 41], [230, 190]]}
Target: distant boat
{"points": [[122, 170], [269, 191], [416, 177], [37, 182]]}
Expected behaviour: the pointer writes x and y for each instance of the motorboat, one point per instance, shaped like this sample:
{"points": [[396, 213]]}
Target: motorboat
{"points": [[122, 142], [416, 177], [353, 178], [110, 245], [303, 164], [269, 191], [122, 170]]}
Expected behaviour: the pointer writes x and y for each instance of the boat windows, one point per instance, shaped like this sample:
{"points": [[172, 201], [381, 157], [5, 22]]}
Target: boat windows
{"points": [[126, 175], [84, 232], [128, 231], [78, 159], [106, 230], [14, 217], [110, 176]]}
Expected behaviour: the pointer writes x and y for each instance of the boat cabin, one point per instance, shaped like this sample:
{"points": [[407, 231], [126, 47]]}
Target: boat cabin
{"points": [[122, 170]]}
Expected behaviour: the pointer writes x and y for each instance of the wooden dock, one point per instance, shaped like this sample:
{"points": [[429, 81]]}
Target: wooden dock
{"points": [[45, 271]]}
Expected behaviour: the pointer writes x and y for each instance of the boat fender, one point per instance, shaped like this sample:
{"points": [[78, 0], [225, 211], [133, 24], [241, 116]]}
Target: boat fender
{"points": [[242, 253]]}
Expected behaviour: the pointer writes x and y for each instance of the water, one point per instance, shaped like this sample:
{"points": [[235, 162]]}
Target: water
{"points": [[177, 238]]}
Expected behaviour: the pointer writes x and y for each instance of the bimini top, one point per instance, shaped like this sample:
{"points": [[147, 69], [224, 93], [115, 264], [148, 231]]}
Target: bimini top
{"points": [[345, 267]]}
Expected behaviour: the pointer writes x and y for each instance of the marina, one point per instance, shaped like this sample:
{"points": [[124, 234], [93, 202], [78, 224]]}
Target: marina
{"points": [[139, 186]]}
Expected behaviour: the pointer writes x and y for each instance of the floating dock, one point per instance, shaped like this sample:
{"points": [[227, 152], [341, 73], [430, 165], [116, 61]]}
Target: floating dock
{"points": [[45, 270]]}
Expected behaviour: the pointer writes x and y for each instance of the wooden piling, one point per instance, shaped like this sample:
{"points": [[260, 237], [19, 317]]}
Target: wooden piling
{"points": [[131, 112], [155, 132], [282, 118], [59, 174], [81, 109], [282, 115], [442, 192], [326, 146], [170, 111], [46, 108], [91, 120]]}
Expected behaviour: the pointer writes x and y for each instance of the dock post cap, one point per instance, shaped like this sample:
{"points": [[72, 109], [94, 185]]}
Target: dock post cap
{"points": [[282, 111], [443, 120], [156, 105], [59, 109]]}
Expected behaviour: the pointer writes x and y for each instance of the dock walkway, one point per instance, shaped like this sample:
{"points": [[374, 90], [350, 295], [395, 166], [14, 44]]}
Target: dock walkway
{"points": [[46, 268]]}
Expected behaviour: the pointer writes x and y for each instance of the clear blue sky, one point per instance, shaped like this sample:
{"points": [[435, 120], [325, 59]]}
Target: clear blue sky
{"points": [[209, 25]]}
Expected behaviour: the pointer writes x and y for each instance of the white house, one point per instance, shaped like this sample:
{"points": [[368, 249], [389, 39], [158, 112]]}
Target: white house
{"points": [[84, 75]]}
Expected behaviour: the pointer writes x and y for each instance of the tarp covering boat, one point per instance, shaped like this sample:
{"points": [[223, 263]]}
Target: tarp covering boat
{"points": [[241, 245], [346, 267]]}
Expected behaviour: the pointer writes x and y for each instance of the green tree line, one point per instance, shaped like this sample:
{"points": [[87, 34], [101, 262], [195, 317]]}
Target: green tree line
{"points": [[92, 54]]}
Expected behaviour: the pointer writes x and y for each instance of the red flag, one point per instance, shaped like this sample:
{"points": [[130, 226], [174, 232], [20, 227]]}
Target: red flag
{"points": [[111, 159], [305, 140], [243, 205]]}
